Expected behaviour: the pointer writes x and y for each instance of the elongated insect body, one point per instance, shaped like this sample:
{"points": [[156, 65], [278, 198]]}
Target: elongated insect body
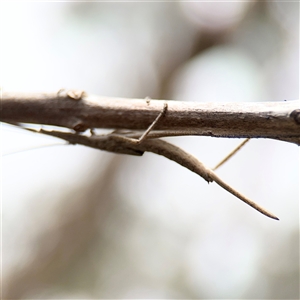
{"points": [[123, 144], [134, 144]]}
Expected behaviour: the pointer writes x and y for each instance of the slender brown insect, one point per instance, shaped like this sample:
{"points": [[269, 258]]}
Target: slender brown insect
{"points": [[132, 143]]}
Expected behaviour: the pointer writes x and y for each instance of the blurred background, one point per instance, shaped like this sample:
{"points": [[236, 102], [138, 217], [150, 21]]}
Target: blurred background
{"points": [[78, 223]]}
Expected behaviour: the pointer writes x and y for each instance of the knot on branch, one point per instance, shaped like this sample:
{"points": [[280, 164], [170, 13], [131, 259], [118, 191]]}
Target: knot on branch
{"points": [[80, 127], [295, 114]]}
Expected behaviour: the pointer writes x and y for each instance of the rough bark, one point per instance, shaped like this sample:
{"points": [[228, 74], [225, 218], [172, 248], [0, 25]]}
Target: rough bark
{"points": [[80, 111]]}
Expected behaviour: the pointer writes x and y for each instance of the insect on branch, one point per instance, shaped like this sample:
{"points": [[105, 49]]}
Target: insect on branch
{"points": [[79, 111], [136, 132]]}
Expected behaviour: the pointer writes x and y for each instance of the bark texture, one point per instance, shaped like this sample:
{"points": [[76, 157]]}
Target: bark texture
{"points": [[79, 111]]}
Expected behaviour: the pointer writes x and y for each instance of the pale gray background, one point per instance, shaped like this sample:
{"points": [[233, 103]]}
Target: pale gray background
{"points": [[80, 223]]}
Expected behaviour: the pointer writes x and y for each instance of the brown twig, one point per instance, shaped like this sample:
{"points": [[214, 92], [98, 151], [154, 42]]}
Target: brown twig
{"points": [[79, 111]]}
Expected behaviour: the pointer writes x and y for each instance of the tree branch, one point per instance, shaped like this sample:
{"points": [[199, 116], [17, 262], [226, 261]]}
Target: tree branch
{"points": [[79, 111]]}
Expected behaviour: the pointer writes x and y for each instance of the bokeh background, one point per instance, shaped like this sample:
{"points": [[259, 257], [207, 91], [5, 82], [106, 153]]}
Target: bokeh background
{"points": [[78, 223]]}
